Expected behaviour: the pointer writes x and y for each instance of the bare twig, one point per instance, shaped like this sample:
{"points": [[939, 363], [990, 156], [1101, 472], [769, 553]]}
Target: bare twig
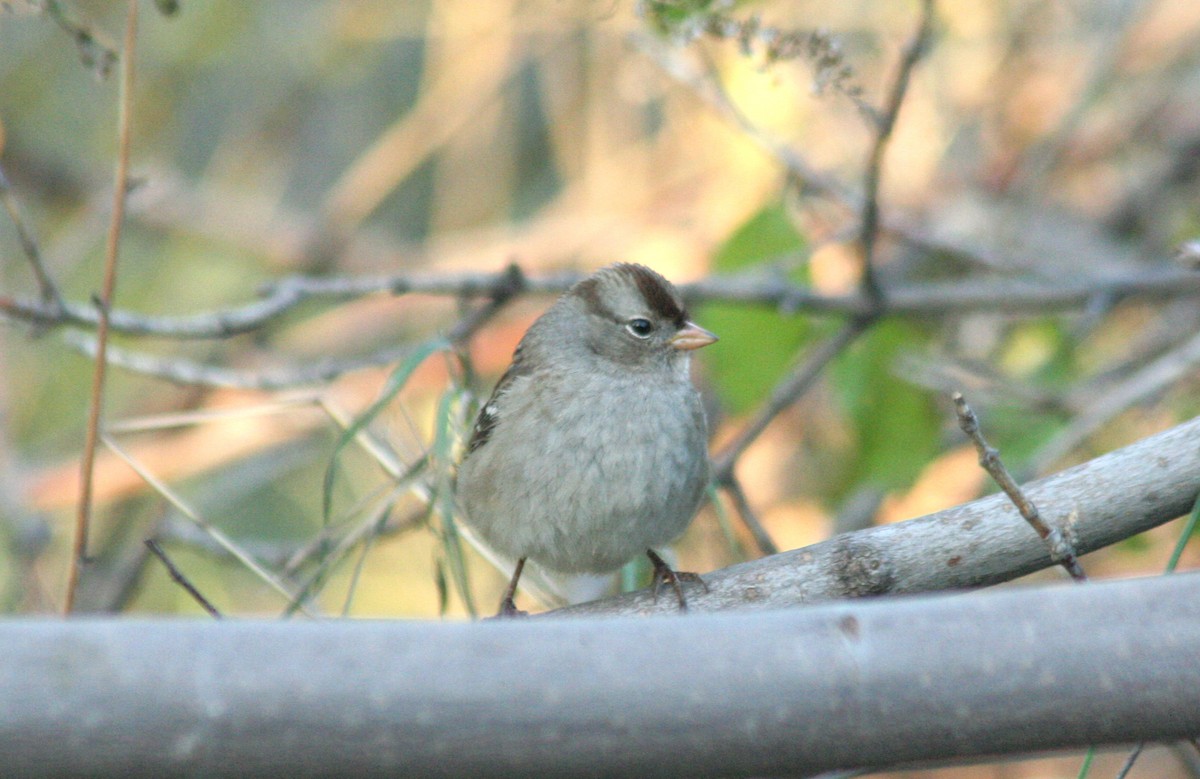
{"points": [[285, 295], [282, 405], [504, 287], [191, 373], [83, 515], [50, 297], [869, 228], [178, 577], [1134, 754], [708, 86], [762, 538], [214, 532], [904, 299], [807, 372], [1062, 551]]}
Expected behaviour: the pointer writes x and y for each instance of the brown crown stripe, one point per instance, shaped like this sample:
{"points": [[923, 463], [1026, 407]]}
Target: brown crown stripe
{"points": [[657, 292]]}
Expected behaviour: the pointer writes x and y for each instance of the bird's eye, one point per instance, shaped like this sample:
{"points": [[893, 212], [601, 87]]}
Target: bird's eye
{"points": [[640, 327]]}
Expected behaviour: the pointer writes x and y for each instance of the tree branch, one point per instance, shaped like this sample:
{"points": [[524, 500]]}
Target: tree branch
{"points": [[1011, 296], [795, 692], [977, 544], [869, 227]]}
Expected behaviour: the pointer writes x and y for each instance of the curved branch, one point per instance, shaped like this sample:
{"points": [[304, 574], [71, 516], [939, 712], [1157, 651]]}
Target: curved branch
{"points": [[981, 543], [783, 693]]}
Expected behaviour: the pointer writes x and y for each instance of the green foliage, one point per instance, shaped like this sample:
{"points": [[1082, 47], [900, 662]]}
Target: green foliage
{"points": [[895, 424], [671, 17], [757, 345], [1019, 432], [452, 548], [1191, 529]]}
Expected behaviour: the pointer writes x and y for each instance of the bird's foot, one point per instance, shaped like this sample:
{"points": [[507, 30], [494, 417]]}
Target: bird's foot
{"points": [[509, 610], [664, 574]]}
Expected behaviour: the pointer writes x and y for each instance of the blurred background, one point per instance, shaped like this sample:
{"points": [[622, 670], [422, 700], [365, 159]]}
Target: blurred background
{"points": [[1038, 141]]}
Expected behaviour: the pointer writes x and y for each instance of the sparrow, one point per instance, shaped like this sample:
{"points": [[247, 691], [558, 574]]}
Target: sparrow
{"points": [[593, 446]]}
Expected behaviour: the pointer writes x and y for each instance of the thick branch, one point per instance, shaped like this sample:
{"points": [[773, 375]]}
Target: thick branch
{"points": [[981, 543], [793, 692]]}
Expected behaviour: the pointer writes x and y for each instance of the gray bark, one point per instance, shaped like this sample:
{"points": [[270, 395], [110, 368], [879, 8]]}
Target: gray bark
{"points": [[984, 542], [846, 684]]}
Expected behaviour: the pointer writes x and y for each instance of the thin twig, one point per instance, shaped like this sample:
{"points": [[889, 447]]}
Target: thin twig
{"points": [[83, 515], [284, 295], [178, 577], [504, 287], [507, 285], [869, 229], [329, 554], [1062, 551], [762, 538], [807, 372], [50, 295], [213, 531], [284, 405], [924, 299], [784, 394], [186, 372], [1134, 754]]}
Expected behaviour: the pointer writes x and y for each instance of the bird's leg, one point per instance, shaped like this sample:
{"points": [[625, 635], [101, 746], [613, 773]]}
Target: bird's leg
{"points": [[664, 574], [507, 607]]}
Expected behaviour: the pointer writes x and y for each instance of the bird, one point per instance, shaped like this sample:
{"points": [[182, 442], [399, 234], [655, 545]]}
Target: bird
{"points": [[593, 446]]}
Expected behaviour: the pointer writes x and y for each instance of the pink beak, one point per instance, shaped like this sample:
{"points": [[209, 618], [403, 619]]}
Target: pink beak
{"points": [[692, 336]]}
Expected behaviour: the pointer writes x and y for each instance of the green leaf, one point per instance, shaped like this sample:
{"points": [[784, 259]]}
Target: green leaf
{"points": [[1018, 432], [452, 548], [758, 345], [1191, 529], [667, 16], [767, 235], [896, 425]]}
